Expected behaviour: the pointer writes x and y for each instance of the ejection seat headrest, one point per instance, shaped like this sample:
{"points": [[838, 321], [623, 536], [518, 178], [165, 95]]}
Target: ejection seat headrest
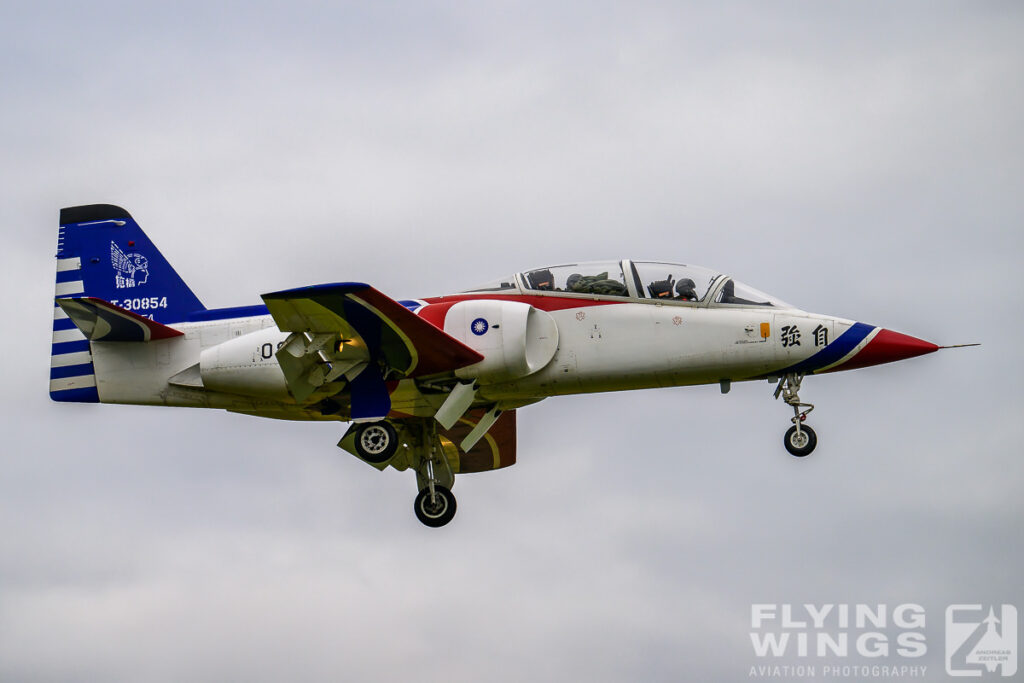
{"points": [[541, 279], [661, 289]]}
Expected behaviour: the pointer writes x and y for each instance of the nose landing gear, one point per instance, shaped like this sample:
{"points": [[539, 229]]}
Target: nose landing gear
{"points": [[800, 439]]}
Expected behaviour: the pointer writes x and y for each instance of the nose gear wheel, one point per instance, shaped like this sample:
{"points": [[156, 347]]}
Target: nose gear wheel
{"points": [[800, 443]]}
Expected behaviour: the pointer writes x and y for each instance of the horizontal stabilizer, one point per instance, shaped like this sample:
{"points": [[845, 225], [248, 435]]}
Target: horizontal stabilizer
{"points": [[101, 320]]}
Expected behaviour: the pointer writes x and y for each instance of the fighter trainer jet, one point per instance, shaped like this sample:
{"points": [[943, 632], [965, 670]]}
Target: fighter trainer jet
{"points": [[429, 385]]}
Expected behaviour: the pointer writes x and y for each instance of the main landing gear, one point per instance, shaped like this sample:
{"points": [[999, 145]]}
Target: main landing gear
{"points": [[435, 504], [376, 442], [412, 443], [800, 439]]}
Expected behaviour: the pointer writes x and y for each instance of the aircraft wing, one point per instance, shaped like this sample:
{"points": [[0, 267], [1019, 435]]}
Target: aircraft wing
{"points": [[352, 329]]}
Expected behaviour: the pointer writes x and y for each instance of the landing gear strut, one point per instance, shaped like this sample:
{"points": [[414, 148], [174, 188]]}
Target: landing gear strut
{"points": [[434, 505], [800, 439]]}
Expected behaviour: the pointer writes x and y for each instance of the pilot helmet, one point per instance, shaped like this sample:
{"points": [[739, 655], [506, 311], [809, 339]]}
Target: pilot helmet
{"points": [[686, 289]]}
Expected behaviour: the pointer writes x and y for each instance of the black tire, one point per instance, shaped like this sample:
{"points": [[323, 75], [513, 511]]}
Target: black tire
{"points": [[376, 442], [439, 515], [800, 447]]}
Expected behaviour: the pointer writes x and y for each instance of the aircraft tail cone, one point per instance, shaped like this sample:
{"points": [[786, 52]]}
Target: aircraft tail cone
{"points": [[888, 346]]}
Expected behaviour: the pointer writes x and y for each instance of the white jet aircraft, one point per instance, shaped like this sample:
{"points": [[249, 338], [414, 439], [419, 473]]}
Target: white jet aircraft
{"points": [[433, 384]]}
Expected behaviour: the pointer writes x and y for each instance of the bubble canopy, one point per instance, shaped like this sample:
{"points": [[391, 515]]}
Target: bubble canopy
{"points": [[675, 282]]}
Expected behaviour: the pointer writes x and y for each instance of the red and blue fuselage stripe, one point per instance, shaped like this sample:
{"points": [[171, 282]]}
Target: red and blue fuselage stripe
{"points": [[834, 352]]}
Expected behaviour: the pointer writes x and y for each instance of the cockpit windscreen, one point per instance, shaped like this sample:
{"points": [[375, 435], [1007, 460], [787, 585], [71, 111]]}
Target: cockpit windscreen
{"points": [[596, 277], [738, 294], [674, 281]]}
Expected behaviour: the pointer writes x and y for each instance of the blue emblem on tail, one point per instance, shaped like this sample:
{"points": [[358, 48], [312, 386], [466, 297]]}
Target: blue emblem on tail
{"points": [[127, 267]]}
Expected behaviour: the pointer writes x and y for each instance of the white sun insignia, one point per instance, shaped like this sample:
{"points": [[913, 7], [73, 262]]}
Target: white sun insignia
{"points": [[479, 327], [132, 269]]}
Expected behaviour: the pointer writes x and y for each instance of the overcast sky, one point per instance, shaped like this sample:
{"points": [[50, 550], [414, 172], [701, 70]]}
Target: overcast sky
{"points": [[863, 160]]}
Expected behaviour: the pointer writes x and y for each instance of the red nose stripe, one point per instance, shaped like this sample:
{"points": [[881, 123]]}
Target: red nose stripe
{"points": [[888, 346]]}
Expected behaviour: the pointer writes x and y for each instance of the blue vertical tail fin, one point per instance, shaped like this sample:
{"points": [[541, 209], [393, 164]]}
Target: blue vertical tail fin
{"points": [[102, 252]]}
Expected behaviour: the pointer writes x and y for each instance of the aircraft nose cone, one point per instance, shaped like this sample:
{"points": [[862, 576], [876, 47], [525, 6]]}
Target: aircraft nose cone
{"points": [[888, 346]]}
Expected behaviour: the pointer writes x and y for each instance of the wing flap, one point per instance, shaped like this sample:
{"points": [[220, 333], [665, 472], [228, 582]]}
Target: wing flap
{"points": [[351, 329], [364, 317]]}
